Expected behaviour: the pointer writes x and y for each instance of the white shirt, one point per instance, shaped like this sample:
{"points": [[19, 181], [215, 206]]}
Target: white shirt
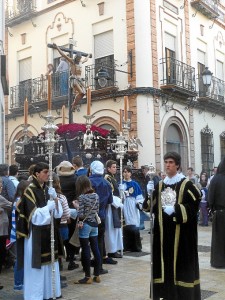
{"points": [[63, 66], [14, 180]]}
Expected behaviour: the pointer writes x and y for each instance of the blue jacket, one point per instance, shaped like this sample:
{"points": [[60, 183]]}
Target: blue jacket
{"points": [[103, 188], [80, 172], [8, 189]]}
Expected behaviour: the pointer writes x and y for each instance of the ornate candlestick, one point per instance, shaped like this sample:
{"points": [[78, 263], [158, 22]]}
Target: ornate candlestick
{"points": [[49, 140], [88, 135], [150, 190], [120, 148]]}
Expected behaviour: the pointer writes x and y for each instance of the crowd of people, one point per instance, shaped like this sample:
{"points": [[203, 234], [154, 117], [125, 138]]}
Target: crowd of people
{"points": [[90, 208]]}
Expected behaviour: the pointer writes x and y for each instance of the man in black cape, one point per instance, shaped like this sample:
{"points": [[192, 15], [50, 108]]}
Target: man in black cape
{"points": [[175, 247]]}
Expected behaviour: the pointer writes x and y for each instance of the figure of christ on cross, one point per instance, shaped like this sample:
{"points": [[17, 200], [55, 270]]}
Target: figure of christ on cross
{"points": [[76, 82]]}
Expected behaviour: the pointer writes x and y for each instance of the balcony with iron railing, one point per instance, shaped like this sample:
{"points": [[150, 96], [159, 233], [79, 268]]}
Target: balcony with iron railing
{"points": [[18, 11], [92, 75], [209, 8], [36, 90], [178, 78], [212, 95]]}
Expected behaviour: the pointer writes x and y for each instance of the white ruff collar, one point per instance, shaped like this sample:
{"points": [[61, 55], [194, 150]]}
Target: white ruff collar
{"points": [[173, 180]]}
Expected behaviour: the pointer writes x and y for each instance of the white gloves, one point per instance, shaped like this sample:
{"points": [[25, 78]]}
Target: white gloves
{"points": [[150, 186], [51, 205], [52, 193], [122, 187], [169, 209]]}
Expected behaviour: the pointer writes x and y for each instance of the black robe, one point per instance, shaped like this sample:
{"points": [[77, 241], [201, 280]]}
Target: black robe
{"points": [[216, 199], [175, 246], [35, 196]]}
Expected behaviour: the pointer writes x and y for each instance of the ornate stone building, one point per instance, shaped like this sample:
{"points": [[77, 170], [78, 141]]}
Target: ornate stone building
{"points": [[152, 51]]}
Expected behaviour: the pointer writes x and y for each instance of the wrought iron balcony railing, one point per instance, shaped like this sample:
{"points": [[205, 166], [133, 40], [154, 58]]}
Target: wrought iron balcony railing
{"points": [[36, 90], [216, 90], [177, 74], [18, 11], [209, 8]]}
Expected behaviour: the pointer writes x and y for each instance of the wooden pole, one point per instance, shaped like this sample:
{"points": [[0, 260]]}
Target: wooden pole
{"points": [[25, 111], [88, 101]]}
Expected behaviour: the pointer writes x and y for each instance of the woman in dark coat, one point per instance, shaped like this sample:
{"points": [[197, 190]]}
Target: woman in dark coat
{"points": [[216, 198]]}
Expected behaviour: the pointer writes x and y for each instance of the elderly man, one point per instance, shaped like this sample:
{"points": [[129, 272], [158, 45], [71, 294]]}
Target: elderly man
{"points": [[175, 246]]}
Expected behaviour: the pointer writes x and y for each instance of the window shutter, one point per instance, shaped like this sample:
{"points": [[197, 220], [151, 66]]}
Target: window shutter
{"points": [[25, 71], [201, 57], [170, 42], [103, 44]]}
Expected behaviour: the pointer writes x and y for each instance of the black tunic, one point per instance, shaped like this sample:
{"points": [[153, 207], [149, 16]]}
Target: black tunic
{"points": [[36, 196], [216, 198], [175, 253]]}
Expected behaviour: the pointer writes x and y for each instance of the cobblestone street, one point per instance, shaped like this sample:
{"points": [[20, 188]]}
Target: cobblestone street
{"points": [[129, 279]]}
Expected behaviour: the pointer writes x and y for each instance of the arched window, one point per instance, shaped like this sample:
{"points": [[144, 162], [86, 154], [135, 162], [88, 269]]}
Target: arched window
{"points": [[173, 140], [207, 149]]}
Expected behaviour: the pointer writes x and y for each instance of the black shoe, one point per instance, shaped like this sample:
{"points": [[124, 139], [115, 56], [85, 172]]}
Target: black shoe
{"points": [[85, 280], [103, 271], [115, 255], [109, 261], [72, 266], [1, 287]]}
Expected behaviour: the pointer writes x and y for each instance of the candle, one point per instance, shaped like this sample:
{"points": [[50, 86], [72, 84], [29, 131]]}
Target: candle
{"points": [[49, 92], [25, 111], [88, 101], [121, 120], [63, 115], [125, 108]]}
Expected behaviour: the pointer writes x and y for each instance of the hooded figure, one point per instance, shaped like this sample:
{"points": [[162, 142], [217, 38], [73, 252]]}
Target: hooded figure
{"points": [[216, 199]]}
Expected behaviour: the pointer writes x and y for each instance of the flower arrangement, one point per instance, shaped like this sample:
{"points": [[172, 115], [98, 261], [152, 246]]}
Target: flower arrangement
{"points": [[73, 129]]}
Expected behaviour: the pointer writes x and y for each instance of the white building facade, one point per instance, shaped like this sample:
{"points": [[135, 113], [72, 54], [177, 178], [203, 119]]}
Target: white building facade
{"points": [[3, 81], [156, 52]]}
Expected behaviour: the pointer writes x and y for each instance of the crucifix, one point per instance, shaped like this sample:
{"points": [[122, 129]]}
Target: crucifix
{"points": [[76, 84]]}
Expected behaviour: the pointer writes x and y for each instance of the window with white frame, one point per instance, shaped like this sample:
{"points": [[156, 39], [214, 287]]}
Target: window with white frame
{"points": [[104, 55], [25, 81], [201, 57]]}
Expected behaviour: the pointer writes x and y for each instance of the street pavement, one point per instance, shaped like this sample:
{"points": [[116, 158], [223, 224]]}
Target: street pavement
{"points": [[130, 278]]}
